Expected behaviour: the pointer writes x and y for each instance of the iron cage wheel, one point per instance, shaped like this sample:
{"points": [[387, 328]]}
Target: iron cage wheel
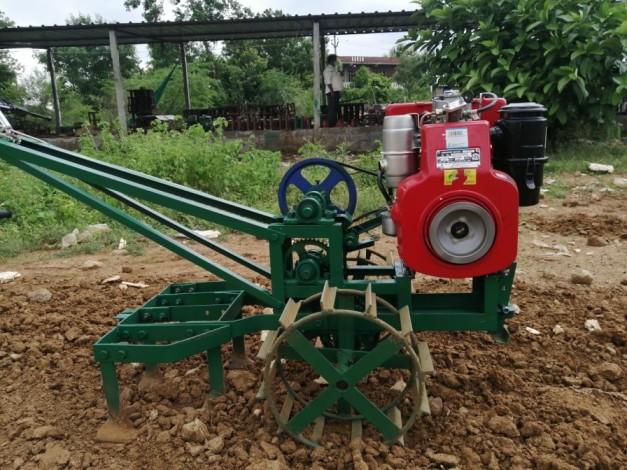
{"points": [[346, 373]]}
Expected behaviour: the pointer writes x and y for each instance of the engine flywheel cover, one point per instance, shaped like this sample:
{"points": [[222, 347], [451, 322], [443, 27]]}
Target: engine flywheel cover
{"points": [[461, 232]]}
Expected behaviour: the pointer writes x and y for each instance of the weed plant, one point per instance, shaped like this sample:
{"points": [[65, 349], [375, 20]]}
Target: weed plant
{"points": [[41, 214], [231, 169]]}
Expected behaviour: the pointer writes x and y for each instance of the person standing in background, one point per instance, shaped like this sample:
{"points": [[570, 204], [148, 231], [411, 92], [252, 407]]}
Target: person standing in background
{"points": [[333, 86]]}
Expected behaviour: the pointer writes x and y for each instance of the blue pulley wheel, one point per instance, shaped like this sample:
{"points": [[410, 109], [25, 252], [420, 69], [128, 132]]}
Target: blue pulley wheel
{"points": [[337, 175]]}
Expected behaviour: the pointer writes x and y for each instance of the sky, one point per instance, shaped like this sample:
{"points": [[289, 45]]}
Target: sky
{"points": [[51, 12]]}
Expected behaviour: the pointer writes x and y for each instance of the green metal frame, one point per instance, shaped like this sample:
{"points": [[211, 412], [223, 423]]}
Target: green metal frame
{"points": [[189, 318]]}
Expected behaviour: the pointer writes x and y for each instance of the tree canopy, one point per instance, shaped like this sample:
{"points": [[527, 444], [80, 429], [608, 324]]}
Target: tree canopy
{"points": [[166, 54], [371, 88], [8, 67], [569, 55], [87, 70]]}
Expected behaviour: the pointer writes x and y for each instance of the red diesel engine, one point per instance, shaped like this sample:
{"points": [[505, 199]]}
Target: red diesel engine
{"points": [[459, 172]]}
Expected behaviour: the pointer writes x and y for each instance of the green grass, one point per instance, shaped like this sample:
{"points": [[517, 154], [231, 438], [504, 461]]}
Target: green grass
{"points": [[557, 190], [576, 156], [230, 169]]}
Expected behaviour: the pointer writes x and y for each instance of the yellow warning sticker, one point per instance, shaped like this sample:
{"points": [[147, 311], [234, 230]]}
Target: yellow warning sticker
{"points": [[449, 177], [470, 177]]}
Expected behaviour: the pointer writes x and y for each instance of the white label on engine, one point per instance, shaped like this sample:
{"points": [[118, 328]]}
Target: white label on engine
{"points": [[458, 158], [456, 138]]}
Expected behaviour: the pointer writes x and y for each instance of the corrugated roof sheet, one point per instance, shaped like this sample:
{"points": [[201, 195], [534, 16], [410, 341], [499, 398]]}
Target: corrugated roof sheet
{"points": [[41, 37]]}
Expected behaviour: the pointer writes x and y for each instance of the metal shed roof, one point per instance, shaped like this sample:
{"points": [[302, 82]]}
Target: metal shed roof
{"points": [[42, 37]]}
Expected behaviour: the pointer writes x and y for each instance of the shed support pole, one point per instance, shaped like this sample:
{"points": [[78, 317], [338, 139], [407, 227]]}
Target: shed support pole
{"points": [[186, 95], [55, 91], [316, 77], [117, 76]]}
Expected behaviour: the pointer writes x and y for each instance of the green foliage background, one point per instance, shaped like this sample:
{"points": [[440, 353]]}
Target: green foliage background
{"points": [[8, 68], [227, 168], [244, 72], [569, 55], [231, 169]]}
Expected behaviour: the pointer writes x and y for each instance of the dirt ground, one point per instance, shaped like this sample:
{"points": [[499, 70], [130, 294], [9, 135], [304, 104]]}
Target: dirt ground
{"points": [[553, 398]]}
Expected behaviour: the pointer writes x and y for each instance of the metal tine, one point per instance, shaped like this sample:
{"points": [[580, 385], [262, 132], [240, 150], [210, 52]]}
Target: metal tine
{"points": [[406, 326], [425, 358], [260, 395], [318, 429], [395, 416], [356, 429], [327, 300], [371, 302], [286, 410], [267, 344], [425, 408], [289, 313]]}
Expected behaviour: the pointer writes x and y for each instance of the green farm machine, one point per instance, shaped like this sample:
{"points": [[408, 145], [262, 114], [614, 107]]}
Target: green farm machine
{"points": [[339, 320]]}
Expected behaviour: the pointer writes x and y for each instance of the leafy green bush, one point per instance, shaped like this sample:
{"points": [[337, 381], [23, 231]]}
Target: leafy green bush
{"points": [[231, 169], [371, 88], [566, 54]]}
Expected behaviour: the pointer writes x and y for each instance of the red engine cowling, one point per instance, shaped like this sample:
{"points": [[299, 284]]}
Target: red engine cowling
{"points": [[457, 217]]}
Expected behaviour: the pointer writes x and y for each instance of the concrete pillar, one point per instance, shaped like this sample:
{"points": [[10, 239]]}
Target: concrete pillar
{"points": [[117, 76]]}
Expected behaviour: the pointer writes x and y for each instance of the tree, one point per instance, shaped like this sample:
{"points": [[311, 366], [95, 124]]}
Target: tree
{"points": [[371, 88], [262, 61], [209, 10], [8, 68], [294, 56], [167, 54], [278, 87], [566, 54], [263, 71], [205, 91], [242, 71], [37, 98], [86, 70], [161, 54], [411, 74], [38, 92]]}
